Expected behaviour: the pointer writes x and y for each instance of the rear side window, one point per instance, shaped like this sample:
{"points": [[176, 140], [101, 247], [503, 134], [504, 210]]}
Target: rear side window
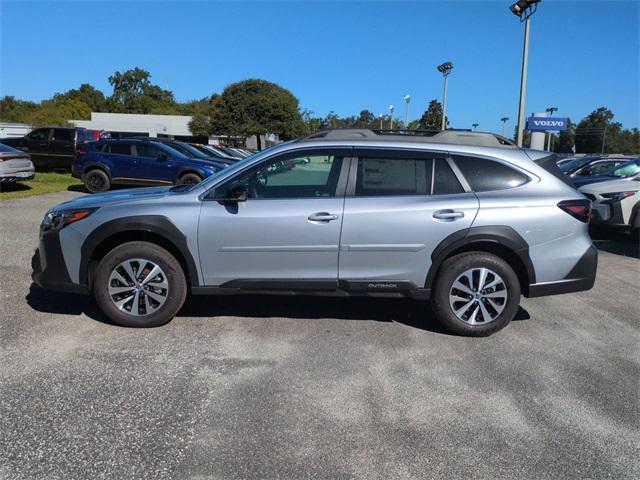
{"points": [[120, 148], [445, 181], [63, 135], [393, 176], [486, 175]]}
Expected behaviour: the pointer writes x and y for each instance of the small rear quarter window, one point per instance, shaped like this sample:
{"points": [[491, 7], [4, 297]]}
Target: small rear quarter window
{"points": [[485, 175]]}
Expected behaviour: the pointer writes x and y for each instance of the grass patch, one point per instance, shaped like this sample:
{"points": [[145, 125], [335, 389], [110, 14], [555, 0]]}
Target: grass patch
{"points": [[45, 182]]}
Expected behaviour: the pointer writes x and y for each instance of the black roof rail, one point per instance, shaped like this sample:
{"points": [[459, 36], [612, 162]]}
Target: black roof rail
{"points": [[454, 137]]}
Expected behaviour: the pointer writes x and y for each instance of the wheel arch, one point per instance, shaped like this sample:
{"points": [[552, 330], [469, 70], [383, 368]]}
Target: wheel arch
{"points": [[93, 165], [500, 240], [185, 170], [155, 229]]}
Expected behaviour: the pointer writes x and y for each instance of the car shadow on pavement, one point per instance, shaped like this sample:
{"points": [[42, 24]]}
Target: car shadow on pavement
{"points": [[613, 241], [408, 312]]}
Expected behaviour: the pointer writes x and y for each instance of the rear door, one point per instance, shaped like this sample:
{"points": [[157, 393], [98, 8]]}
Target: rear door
{"points": [[122, 163], [399, 206], [62, 148]]}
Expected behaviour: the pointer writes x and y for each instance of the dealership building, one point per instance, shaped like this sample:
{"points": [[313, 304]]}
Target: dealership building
{"points": [[121, 125]]}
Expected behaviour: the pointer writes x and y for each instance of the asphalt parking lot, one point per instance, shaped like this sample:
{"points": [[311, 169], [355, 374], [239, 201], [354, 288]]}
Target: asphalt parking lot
{"points": [[295, 387]]}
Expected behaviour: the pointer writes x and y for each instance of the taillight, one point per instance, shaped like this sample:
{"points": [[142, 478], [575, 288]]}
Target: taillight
{"points": [[580, 209], [80, 152]]}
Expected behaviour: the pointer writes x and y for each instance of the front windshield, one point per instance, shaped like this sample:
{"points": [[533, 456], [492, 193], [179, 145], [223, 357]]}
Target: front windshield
{"points": [[575, 164], [627, 169]]}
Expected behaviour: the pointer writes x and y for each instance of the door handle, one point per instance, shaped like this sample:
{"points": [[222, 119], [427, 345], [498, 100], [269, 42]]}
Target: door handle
{"points": [[448, 214], [322, 217]]}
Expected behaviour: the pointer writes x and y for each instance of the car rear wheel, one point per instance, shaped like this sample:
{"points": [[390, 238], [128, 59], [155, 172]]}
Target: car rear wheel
{"points": [[139, 284], [475, 294], [189, 179], [96, 181]]}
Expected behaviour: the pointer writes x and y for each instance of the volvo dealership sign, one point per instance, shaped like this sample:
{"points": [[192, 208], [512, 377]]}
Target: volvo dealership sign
{"points": [[547, 124]]}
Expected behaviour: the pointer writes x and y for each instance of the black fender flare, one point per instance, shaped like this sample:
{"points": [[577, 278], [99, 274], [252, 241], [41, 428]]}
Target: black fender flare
{"points": [[157, 225], [501, 235], [92, 165]]}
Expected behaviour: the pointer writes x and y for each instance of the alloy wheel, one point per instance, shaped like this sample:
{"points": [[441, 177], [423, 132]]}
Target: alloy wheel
{"points": [[138, 287], [478, 296]]}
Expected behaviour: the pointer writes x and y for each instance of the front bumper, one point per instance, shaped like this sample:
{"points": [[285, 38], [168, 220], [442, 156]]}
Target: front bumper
{"points": [[49, 269], [17, 176], [581, 277]]}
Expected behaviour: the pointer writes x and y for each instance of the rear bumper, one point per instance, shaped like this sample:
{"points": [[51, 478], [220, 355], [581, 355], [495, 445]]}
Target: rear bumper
{"points": [[581, 277], [49, 270]]}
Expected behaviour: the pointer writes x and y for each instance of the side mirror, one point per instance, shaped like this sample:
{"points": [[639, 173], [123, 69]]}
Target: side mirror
{"points": [[239, 193], [162, 156]]}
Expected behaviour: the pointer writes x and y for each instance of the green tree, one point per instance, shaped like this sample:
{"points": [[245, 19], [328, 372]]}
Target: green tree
{"points": [[85, 93], [14, 110], [432, 118], [54, 113], [256, 107], [133, 92]]}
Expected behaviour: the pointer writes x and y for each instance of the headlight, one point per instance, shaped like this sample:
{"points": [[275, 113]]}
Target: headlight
{"points": [[55, 220], [617, 196]]}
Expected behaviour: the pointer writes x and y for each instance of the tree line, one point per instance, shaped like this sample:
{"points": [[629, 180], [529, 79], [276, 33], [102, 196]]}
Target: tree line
{"points": [[255, 106]]}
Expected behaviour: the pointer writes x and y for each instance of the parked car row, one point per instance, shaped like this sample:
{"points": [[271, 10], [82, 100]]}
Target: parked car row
{"points": [[148, 161], [613, 186]]}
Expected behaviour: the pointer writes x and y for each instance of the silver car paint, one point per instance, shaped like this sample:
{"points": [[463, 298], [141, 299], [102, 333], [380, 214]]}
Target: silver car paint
{"points": [[395, 243]]}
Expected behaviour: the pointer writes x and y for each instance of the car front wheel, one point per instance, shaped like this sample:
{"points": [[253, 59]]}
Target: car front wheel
{"points": [[475, 294], [139, 284]]}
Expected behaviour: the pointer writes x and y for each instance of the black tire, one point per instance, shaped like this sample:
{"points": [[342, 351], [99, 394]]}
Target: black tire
{"points": [[189, 179], [454, 267], [96, 181], [175, 278]]}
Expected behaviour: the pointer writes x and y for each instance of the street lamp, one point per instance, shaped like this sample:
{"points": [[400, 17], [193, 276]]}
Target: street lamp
{"points": [[550, 110], [407, 100], [504, 121], [445, 69], [475, 125], [381, 116], [391, 107], [523, 9]]}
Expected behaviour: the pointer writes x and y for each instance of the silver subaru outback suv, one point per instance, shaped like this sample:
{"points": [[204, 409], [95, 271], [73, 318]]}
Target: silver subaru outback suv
{"points": [[463, 219]]}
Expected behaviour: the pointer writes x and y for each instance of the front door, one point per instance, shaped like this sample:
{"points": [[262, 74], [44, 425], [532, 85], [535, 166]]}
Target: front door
{"points": [[154, 164], [62, 148], [286, 234], [399, 206]]}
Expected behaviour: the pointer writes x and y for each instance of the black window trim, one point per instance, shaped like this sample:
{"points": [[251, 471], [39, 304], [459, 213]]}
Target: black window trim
{"points": [[530, 176], [404, 153], [347, 157]]}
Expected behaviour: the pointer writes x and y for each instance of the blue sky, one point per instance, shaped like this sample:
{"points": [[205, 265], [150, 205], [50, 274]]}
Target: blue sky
{"points": [[340, 56]]}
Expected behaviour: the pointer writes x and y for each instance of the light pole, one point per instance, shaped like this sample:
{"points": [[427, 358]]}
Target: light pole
{"points": [[475, 125], [381, 116], [550, 110], [445, 69], [504, 120], [391, 107], [407, 101], [523, 9]]}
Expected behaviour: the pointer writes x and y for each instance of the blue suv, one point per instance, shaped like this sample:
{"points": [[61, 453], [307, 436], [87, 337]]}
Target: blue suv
{"points": [[137, 162]]}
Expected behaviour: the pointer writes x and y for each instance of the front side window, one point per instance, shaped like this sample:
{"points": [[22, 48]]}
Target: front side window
{"points": [[304, 176], [147, 150], [595, 169], [39, 134], [120, 148], [486, 175], [393, 176], [627, 170]]}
